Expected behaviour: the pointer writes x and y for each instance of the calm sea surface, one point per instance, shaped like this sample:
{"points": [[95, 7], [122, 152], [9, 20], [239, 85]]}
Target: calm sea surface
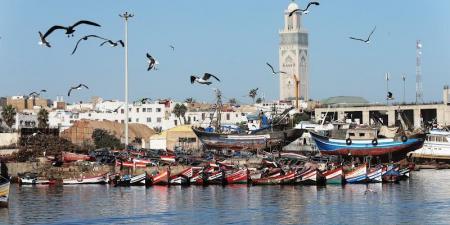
{"points": [[423, 199]]}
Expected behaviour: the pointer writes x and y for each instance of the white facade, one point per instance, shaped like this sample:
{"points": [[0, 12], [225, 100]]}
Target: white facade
{"points": [[293, 56]]}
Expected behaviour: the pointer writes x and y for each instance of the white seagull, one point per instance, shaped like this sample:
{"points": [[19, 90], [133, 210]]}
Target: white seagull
{"points": [[204, 79], [273, 70], [78, 87], [367, 41], [152, 62], [304, 11]]}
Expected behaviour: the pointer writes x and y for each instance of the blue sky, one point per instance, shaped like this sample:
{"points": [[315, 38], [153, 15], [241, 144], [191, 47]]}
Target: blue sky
{"points": [[232, 39]]}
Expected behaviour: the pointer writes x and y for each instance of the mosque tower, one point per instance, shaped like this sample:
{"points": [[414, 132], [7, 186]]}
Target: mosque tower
{"points": [[293, 56]]}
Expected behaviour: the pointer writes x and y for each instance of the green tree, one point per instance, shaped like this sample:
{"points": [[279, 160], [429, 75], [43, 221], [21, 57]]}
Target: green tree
{"points": [[103, 139], [43, 118], [252, 94], [33, 146], [259, 100], [180, 111], [8, 115], [232, 101]]}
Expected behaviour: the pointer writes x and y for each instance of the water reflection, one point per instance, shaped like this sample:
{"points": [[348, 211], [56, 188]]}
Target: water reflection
{"points": [[423, 199]]}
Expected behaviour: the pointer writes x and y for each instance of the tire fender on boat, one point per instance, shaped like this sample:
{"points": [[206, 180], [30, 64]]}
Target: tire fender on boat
{"points": [[404, 138], [348, 141], [375, 142]]}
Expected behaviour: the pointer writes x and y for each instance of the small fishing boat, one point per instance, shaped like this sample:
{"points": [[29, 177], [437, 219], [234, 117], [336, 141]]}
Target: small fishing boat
{"points": [[127, 180], [374, 175], [182, 178], [404, 173], [35, 181], [334, 176], [100, 179], [4, 191], [391, 174], [241, 176], [357, 175], [285, 179], [162, 178], [72, 157], [216, 177]]}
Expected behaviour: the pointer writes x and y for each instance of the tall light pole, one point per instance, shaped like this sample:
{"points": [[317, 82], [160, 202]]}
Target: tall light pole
{"points": [[126, 16], [387, 88], [404, 88]]}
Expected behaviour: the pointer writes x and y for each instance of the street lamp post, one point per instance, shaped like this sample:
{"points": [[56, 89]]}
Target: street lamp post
{"points": [[387, 88], [126, 16], [404, 88]]}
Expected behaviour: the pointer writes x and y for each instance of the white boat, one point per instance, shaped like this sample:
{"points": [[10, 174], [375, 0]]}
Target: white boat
{"points": [[101, 179], [33, 181], [436, 146]]}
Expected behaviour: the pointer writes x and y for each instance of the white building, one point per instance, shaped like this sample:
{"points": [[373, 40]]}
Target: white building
{"points": [[293, 56]]}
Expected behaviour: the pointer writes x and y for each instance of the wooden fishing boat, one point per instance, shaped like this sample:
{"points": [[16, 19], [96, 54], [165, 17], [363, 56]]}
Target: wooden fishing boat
{"points": [[35, 181], [391, 174], [240, 176], [182, 178], [357, 175], [100, 179], [132, 164], [4, 191], [216, 177], [374, 175], [162, 178], [286, 178], [72, 157], [334, 176], [404, 173], [310, 176], [367, 142]]}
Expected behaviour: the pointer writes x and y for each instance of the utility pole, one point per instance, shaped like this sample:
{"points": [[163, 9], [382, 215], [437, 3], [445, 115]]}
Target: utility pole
{"points": [[404, 88], [126, 16]]}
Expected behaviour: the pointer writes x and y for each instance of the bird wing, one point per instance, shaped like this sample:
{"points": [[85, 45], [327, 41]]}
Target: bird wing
{"points": [[292, 13], [70, 90], [271, 67], [56, 27], [33, 93], [208, 75], [311, 3], [193, 78], [96, 36], [121, 43], [83, 85], [173, 48], [371, 33], [149, 56], [87, 22], [78, 42], [108, 41], [358, 39], [43, 90]]}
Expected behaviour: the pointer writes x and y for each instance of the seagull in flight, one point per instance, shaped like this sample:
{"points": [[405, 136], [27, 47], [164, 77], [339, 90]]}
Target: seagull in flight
{"points": [[70, 29], [151, 62], [112, 43], [78, 87], [84, 39], [204, 79], [43, 41], [304, 11], [273, 70], [172, 47], [35, 94], [367, 41]]}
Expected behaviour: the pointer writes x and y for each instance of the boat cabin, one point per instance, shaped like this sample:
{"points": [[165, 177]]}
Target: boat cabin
{"points": [[362, 134]]}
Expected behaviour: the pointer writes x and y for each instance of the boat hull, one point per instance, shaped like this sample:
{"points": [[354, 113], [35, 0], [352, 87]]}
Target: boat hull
{"points": [[334, 176], [330, 146], [247, 141], [4, 191], [86, 180]]}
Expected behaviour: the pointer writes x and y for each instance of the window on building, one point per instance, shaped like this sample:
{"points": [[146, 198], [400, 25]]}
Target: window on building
{"points": [[175, 122], [228, 116], [149, 109], [137, 110], [158, 109], [116, 121], [129, 109], [122, 121], [122, 111], [143, 109], [129, 120], [149, 119], [137, 120], [158, 120], [203, 116]]}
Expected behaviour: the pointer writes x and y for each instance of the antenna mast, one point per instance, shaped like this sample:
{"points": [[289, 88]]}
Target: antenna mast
{"points": [[419, 91]]}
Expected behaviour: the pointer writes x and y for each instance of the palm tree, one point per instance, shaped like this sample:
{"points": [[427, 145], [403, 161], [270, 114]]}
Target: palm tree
{"points": [[43, 118], [232, 101], [180, 111], [8, 115], [252, 94]]}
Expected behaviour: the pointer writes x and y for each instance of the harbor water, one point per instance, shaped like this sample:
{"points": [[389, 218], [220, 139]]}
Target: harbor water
{"points": [[422, 199]]}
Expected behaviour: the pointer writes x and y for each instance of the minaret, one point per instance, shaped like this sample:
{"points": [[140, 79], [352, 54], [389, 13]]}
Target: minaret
{"points": [[293, 56]]}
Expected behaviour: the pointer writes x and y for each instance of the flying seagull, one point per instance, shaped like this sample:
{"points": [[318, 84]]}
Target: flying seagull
{"points": [[304, 11], [77, 88], [70, 29], [42, 40], [35, 94], [84, 39], [112, 43], [172, 47], [273, 70], [151, 62], [204, 79], [367, 41], [390, 96]]}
